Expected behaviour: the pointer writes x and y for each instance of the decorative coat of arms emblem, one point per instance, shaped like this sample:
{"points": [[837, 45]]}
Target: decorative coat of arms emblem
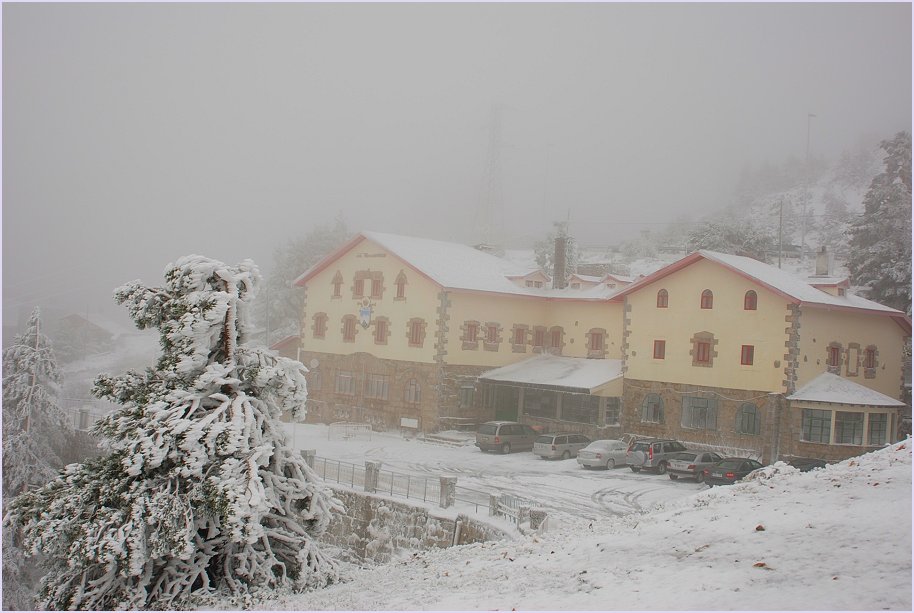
{"points": [[365, 308]]}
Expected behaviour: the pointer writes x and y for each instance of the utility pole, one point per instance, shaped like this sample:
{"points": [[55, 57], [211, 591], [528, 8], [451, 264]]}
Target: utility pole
{"points": [[490, 210], [780, 229]]}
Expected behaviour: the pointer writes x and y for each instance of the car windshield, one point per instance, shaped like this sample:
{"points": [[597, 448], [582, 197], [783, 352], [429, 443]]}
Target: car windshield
{"points": [[487, 429], [640, 446], [601, 445], [731, 464], [544, 439], [688, 457]]}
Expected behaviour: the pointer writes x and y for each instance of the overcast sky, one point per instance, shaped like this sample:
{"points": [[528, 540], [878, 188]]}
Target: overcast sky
{"points": [[137, 133]]}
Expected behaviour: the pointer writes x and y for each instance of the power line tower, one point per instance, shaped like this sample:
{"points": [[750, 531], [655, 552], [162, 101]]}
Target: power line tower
{"points": [[490, 212]]}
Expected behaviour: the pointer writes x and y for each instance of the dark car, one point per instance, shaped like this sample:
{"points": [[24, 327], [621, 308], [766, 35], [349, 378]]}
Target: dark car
{"points": [[804, 465], [729, 470]]}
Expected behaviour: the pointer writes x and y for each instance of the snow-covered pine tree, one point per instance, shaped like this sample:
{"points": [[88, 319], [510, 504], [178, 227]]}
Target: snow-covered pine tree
{"points": [[35, 428], [880, 239], [200, 494]]}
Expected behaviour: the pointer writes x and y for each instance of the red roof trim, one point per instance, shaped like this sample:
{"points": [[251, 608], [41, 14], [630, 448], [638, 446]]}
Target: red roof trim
{"points": [[329, 259]]}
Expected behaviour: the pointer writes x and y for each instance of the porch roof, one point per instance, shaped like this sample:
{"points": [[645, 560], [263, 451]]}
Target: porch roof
{"points": [[832, 389], [577, 375]]}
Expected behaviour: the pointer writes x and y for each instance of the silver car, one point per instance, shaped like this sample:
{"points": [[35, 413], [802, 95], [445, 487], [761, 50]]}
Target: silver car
{"points": [[553, 446], [692, 464], [603, 454]]}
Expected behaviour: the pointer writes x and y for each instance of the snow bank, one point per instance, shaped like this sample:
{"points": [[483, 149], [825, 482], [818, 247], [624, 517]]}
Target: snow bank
{"points": [[834, 538]]}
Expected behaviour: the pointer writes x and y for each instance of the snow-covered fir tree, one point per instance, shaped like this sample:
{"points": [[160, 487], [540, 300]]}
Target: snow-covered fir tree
{"points": [[35, 428], [739, 237], [35, 433], [544, 251], [200, 495], [880, 239], [279, 304]]}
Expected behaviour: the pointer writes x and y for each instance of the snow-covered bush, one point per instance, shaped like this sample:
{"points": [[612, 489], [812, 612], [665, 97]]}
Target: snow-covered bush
{"points": [[200, 493]]}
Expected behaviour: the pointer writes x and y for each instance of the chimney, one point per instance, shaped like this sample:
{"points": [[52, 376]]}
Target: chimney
{"points": [[558, 268], [823, 262]]}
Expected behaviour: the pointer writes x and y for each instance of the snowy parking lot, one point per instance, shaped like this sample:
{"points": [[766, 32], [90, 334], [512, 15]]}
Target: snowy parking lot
{"points": [[558, 486]]}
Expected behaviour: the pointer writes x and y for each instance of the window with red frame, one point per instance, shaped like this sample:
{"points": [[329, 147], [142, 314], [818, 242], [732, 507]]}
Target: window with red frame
{"points": [[539, 338], [377, 286], [472, 332], [750, 301], [349, 329], [359, 290], [707, 299], [747, 355], [415, 333], [869, 358], [320, 325], [596, 341], [491, 334], [557, 338], [380, 331], [520, 336], [703, 353], [834, 357], [659, 350], [663, 299]]}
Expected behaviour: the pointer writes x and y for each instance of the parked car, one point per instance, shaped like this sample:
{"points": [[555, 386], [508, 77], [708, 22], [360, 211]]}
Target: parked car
{"points": [[505, 436], [603, 454], [559, 445], [652, 454], [692, 464], [729, 470], [807, 464]]}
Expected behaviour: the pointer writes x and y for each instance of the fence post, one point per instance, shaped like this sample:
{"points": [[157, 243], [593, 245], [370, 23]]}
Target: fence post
{"points": [[537, 518], [309, 454], [372, 469], [523, 514], [493, 504], [448, 491]]}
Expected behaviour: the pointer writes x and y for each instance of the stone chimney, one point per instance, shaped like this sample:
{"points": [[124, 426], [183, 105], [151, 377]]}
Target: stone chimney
{"points": [[558, 268], [823, 262]]}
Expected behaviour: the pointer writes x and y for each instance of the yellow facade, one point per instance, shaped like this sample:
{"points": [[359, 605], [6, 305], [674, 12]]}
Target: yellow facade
{"points": [[421, 298], [854, 332], [730, 324]]}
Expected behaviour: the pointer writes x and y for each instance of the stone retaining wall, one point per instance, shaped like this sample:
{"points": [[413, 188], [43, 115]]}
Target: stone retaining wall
{"points": [[375, 529]]}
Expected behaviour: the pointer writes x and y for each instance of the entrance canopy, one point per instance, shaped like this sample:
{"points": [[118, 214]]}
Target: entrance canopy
{"points": [[575, 375], [832, 389]]}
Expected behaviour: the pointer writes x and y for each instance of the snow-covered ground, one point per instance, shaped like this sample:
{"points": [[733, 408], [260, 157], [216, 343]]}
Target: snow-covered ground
{"points": [[832, 539]]}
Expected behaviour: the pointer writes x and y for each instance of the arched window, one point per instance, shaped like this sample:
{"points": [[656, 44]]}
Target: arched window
{"points": [[652, 409], [750, 301], [320, 325], [707, 299], [663, 299], [748, 420]]}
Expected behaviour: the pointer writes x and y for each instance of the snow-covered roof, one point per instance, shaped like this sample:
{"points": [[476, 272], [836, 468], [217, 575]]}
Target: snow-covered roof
{"points": [[827, 280], [832, 389], [620, 278], [587, 278], [550, 371], [775, 279], [457, 266]]}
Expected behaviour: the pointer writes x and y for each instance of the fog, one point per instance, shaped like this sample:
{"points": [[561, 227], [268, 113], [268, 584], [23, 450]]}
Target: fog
{"points": [[137, 133]]}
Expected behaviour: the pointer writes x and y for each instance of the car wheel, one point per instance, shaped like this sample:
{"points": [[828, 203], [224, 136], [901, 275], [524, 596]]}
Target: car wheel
{"points": [[700, 477], [635, 469], [673, 477], [566, 455], [661, 468], [610, 464], [506, 448]]}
